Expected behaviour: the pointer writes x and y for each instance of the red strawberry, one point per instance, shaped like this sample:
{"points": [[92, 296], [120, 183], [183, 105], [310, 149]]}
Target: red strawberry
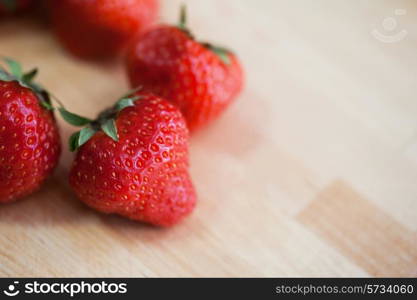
{"points": [[13, 6], [133, 161], [99, 29], [29, 138], [201, 79]]}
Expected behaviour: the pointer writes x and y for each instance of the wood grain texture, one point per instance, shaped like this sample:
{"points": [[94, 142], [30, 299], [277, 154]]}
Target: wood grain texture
{"points": [[312, 172], [368, 236]]}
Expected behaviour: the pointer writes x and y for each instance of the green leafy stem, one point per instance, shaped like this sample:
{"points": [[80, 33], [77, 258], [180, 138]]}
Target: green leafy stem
{"points": [[222, 53], [9, 5], [106, 121]]}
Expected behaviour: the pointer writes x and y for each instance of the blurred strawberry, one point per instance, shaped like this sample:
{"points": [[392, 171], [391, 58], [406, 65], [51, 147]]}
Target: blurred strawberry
{"points": [[100, 29], [29, 138], [200, 78]]}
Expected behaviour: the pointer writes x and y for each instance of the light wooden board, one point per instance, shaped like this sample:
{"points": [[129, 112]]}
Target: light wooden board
{"points": [[312, 172]]}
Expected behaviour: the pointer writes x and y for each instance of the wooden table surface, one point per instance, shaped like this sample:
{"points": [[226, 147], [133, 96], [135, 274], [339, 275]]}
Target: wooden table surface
{"points": [[312, 172]]}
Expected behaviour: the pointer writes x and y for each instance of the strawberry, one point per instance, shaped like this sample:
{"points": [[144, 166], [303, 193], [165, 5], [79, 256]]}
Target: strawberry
{"points": [[29, 138], [200, 78], [133, 161], [100, 29], [13, 6]]}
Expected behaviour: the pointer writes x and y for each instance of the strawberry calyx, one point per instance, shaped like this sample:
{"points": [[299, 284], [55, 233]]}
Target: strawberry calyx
{"points": [[9, 5], [222, 53], [106, 121], [16, 73]]}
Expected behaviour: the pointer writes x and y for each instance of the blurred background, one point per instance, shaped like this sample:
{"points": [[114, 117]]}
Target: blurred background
{"points": [[311, 172]]}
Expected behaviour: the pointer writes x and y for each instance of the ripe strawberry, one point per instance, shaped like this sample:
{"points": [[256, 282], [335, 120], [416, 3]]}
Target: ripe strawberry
{"points": [[133, 161], [201, 79], [13, 6], [100, 29], [29, 138]]}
